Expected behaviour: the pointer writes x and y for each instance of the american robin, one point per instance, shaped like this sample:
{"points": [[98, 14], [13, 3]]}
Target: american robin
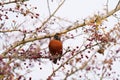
{"points": [[55, 48]]}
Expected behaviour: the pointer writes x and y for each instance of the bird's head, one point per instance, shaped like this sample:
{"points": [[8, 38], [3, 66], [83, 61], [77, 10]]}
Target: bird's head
{"points": [[57, 36]]}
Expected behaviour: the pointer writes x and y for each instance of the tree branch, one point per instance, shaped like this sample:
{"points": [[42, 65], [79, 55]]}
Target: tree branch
{"points": [[82, 67], [51, 15], [51, 35], [12, 2]]}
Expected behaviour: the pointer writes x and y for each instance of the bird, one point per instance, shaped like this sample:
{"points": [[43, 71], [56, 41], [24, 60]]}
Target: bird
{"points": [[55, 48]]}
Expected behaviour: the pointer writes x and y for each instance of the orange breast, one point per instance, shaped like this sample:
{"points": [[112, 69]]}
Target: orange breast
{"points": [[55, 47]]}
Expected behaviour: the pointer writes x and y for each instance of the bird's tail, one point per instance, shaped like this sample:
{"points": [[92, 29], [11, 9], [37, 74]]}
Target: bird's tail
{"points": [[55, 60]]}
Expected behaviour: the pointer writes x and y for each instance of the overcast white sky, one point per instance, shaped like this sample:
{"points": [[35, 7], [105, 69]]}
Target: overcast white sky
{"points": [[72, 10]]}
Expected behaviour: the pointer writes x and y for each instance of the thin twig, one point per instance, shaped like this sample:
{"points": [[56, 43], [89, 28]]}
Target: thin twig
{"points": [[4, 31], [51, 15], [80, 68], [101, 78], [48, 4], [107, 7]]}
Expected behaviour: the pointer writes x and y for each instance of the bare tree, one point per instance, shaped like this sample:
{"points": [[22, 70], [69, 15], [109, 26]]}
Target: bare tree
{"points": [[25, 35]]}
